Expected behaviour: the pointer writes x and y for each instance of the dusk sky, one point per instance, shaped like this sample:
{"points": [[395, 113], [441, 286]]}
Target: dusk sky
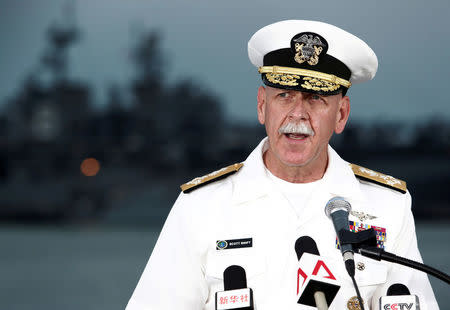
{"points": [[207, 41]]}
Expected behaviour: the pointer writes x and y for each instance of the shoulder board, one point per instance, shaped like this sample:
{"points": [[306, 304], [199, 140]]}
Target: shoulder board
{"points": [[209, 178], [378, 178]]}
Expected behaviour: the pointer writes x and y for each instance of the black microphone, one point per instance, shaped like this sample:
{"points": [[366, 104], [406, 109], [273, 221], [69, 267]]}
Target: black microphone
{"points": [[337, 209], [234, 278], [315, 291], [398, 289], [399, 297], [305, 244], [236, 294]]}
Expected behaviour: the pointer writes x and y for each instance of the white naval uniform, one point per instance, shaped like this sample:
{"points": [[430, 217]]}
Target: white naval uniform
{"points": [[185, 269]]}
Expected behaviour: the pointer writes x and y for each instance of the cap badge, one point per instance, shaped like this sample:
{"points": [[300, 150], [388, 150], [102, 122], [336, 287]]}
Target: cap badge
{"points": [[307, 46]]}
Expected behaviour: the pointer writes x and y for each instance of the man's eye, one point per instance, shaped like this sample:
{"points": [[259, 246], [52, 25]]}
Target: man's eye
{"points": [[283, 95], [315, 97]]}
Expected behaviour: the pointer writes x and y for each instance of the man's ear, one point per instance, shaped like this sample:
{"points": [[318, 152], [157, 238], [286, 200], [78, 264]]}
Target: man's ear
{"points": [[342, 114], [261, 105]]}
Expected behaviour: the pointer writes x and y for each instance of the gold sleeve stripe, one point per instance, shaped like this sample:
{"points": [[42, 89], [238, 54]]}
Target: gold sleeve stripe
{"points": [[211, 177], [304, 72], [378, 178]]}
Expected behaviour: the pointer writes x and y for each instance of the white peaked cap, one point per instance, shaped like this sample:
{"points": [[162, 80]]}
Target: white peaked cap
{"points": [[354, 53]]}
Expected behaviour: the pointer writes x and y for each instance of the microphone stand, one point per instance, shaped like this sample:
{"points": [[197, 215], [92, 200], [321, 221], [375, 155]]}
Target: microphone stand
{"points": [[364, 242], [380, 254]]}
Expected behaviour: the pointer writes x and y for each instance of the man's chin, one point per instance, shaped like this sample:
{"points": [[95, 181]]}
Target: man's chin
{"points": [[289, 158]]}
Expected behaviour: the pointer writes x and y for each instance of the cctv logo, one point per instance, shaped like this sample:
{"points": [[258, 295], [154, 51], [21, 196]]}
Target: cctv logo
{"points": [[319, 265], [399, 306]]}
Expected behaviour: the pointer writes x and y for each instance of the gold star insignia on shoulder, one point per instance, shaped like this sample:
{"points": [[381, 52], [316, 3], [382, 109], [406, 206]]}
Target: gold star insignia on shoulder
{"points": [[362, 216], [378, 178], [211, 177]]}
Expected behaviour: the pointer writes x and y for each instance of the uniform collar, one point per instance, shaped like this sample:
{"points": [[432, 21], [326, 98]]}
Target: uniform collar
{"points": [[251, 182]]}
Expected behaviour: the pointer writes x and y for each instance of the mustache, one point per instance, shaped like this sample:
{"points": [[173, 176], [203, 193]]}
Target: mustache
{"points": [[296, 128]]}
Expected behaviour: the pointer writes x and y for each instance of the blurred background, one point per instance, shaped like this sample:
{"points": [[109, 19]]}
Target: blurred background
{"points": [[107, 106]]}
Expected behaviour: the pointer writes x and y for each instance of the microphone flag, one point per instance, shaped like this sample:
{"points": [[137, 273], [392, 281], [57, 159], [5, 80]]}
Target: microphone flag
{"points": [[399, 302], [236, 294], [234, 299], [399, 298], [314, 275]]}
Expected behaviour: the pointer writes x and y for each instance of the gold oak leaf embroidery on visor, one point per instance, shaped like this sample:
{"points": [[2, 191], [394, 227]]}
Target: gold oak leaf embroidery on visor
{"points": [[308, 82], [290, 77], [283, 79], [319, 85]]}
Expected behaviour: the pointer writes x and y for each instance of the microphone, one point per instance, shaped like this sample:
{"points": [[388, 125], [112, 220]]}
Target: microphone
{"points": [[399, 298], [313, 290], [397, 289], [234, 278], [337, 209], [236, 294], [305, 244]]}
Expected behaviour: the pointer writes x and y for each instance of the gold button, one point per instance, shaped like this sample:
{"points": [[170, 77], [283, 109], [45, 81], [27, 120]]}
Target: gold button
{"points": [[353, 303], [360, 266]]}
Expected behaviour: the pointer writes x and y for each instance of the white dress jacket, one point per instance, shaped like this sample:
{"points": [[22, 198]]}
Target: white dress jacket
{"points": [[186, 268]]}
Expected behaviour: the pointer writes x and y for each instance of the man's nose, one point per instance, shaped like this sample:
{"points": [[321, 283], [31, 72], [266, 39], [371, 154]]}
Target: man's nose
{"points": [[299, 109]]}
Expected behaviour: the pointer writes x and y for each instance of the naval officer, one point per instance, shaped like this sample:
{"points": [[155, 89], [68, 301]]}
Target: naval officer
{"points": [[251, 213]]}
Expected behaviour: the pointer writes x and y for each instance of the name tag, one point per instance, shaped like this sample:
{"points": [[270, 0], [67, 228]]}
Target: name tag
{"points": [[234, 244]]}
